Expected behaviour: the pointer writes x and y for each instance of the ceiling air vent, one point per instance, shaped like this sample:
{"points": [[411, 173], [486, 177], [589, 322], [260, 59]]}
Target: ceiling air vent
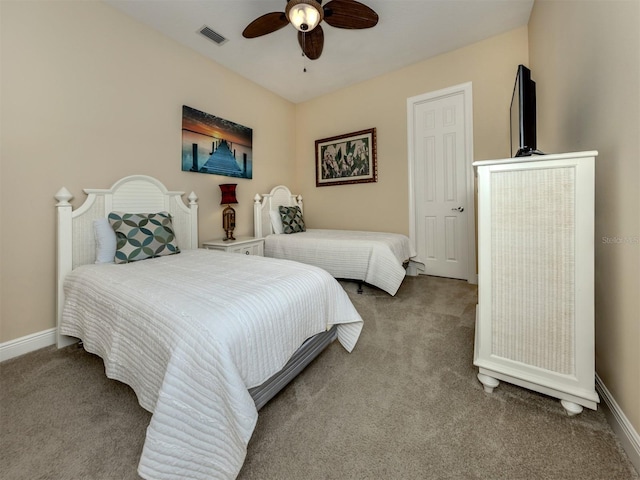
{"points": [[213, 35]]}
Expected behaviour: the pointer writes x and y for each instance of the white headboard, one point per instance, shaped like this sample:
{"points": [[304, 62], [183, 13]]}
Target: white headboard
{"points": [[134, 194], [263, 204]]}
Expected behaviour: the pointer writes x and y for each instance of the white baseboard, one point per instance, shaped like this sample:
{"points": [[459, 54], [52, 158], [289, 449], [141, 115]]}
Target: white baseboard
{"points": [[623, 429], [29, 343]]}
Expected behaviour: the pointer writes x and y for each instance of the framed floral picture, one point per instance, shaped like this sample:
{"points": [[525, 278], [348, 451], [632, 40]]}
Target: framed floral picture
{"points": [[347, 159]]}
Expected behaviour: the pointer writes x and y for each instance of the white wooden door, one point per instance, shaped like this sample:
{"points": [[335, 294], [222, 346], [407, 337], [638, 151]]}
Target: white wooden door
{"points": [[441, 205]]}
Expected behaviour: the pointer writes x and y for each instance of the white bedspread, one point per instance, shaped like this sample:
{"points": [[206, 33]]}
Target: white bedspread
{"points": [[373, 257], [190, 333]]}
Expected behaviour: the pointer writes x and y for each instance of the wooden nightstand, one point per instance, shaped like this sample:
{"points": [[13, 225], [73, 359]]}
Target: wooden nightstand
{"points": [[245, 245]]}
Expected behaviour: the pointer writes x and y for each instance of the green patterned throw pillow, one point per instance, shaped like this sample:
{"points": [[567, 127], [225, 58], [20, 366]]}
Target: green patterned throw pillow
{"points": [[143, 235], [292, 221]]}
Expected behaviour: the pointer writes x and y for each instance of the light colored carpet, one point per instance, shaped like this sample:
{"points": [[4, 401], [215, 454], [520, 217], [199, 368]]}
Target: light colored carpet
{"points": [[405, 404]]}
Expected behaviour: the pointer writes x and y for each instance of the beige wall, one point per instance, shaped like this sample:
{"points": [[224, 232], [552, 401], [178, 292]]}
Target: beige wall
{"points": [[382, 103], [89, 96], [585, 58]]}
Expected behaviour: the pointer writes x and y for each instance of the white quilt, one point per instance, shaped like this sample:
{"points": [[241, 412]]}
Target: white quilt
{"points": [[373, 257], [190, 333]]}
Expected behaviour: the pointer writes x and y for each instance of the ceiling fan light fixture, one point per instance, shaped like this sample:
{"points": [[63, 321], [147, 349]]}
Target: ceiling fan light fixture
{"points": [[304, 15]]}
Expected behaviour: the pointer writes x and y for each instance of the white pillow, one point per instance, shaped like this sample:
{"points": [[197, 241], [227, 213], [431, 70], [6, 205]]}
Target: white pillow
{"points": [[276, 221], [105, 241]]}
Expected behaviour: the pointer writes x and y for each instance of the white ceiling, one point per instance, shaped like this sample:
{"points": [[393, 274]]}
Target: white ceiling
{"points": [[408, 31]]}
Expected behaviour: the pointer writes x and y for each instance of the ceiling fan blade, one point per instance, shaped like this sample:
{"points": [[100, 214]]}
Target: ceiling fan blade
{"points": [[267, 23], [312, 42], [349, 14]]}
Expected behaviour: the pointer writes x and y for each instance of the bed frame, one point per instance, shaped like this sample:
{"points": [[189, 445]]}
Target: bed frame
{"points": [[76, 246], [136, 194], [282, 196], [263, 204]]}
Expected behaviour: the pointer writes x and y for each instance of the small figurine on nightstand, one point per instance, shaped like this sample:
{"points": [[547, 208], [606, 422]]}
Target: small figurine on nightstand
{"points": [[229, 222], [228, 214]]}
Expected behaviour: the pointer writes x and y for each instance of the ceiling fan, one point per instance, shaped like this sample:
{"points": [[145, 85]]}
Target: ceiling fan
{"points": [[306, 15]]}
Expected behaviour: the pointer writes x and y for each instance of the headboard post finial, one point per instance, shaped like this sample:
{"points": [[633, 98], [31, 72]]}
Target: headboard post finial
{"points": [[257, 198], [193, 198], [63, 196]]}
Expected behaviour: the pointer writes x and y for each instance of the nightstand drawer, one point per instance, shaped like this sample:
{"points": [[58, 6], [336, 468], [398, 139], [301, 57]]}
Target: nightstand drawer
{"points": [[253, 249], [241, 245]]}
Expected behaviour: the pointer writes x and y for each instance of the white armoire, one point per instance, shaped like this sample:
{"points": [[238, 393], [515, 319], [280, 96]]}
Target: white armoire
{"points": [[535, 314]]}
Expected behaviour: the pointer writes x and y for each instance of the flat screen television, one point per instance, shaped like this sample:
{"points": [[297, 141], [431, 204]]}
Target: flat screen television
{"points": [[523, 115]]}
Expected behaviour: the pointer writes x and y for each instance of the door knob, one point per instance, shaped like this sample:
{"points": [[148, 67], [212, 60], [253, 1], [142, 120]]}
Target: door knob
{"points": [[458, 209]]}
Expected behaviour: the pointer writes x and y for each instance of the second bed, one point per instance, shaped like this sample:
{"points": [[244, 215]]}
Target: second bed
{"points": [[377, 258]]}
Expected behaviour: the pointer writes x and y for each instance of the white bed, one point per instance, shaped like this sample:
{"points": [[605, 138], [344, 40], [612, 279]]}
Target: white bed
{"points": [[192, 333], [377, 258]]}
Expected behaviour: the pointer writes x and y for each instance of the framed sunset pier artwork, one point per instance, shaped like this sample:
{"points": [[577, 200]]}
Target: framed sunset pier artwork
{"points": [[347, 159], [214, 145]]}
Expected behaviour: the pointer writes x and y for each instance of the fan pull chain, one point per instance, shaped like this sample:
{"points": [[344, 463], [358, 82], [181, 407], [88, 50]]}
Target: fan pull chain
{"points": [[304, 62]]}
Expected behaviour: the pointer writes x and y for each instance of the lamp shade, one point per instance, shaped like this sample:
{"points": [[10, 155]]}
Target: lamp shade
{"points": [[228, 193], [304, 15]]}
